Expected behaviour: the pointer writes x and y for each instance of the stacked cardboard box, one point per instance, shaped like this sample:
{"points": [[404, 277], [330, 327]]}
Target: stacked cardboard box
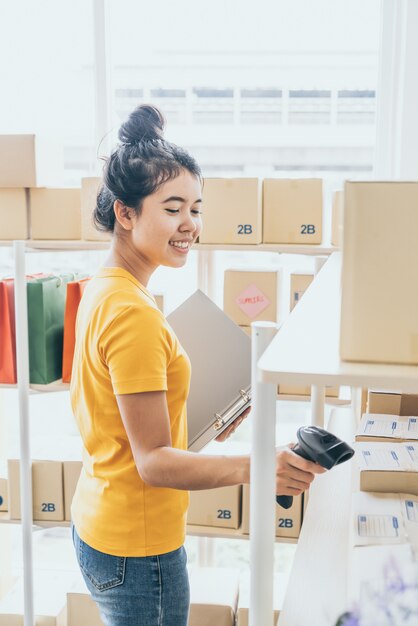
{"points": [[232, 211], [288, 521], [53, 486], [292, 211], [219, 507]]}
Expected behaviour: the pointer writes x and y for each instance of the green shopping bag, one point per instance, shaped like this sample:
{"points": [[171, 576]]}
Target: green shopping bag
{"points": [[46, 304]]}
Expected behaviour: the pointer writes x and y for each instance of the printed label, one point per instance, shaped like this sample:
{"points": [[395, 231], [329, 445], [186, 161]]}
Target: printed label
{"points": [[252, 301], [382, 526], [411, 510]]}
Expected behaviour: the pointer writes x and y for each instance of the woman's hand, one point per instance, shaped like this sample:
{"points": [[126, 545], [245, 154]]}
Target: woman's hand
{"points": [[294, 474], [232, 427]]}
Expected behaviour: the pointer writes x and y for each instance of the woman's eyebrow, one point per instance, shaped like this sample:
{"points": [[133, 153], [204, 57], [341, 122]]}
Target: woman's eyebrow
{"points": [[178, 199]]}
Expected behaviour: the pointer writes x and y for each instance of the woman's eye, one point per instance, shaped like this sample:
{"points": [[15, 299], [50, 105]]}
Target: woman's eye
{"points": [[172, 211], [196, 212]]}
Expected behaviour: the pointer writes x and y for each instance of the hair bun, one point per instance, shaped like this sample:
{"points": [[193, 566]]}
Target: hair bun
{"points": [[145, 123]]}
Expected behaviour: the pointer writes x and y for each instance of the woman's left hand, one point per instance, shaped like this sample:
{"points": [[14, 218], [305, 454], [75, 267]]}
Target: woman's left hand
{"points": [[232, 427]]}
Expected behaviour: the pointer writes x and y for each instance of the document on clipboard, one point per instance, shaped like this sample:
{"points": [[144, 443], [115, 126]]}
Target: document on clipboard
{"points": [[220, 355]]}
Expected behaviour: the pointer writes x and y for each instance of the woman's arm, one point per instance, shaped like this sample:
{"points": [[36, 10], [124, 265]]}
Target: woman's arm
{"points": [[146, 420]]}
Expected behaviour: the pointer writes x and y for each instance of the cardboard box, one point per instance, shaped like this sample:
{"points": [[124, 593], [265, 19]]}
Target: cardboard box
{"points": [[47, 489], [292, 211], [279, 589], [219, 507], [392, 403], [288, 521], [384, 427], [4, 499], [71, 474], [388, 467], [159, 299], [232, 211], [55, 213], [213, 596], [337, 218], [383, 518], [298, 285], [26, 161], [380, 267], [82, 610], [89, 189], [305, 390], [13, 214], [250, 296]]}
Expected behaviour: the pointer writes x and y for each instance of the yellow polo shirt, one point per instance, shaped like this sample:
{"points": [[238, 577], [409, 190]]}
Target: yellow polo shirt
{"points": [[125, 345]]}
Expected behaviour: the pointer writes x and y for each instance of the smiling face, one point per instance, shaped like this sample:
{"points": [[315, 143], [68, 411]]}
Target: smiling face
{"points": [[167, 225]]}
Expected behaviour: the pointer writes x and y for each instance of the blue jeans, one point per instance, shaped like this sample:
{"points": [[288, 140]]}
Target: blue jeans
{"points": [[136, 591]]}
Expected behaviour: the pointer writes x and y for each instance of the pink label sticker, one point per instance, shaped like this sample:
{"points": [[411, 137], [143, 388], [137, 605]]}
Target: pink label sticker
{"points": [[252, 301]]}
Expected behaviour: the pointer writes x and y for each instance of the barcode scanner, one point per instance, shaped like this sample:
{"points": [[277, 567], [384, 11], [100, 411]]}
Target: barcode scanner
{"points": [[320, 446]]}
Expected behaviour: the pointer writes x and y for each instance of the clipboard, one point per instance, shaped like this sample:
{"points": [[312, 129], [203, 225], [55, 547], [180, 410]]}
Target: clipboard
{"points": [[220, 356]]}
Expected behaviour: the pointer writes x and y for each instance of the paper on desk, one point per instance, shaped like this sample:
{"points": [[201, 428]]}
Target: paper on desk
{"points": [[387, 456], [382, 426]]}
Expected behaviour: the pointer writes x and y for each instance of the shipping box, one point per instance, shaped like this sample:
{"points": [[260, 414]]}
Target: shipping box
{"points": [[13, 214], [292, 211], [71, 474], [232, 211], [288, 521], [384, 427], [392, 403], [47, 490], [251, 296], [213, 596], [388, 467], [379, 321], [28, 161], [55, 213], [298, 285], [219, 507]]}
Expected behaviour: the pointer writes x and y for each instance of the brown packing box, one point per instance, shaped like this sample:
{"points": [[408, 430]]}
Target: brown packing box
{"points": [[392, 403], [47, 488], [213, 596], [301, 390], [379, 304], [4, 500], [219, 507], [288, 521], [232, 211], [89, 189], [251, 296], [298, 285], [71, 473], [82, 610], [388, 467], [337, 218], [159, 299], [28, 161], [55, 213], [292, 211], [13, 214]]}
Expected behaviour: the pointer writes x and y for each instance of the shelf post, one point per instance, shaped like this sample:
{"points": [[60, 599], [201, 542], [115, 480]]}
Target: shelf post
{"points": [[263, 482], [317, 405], [22, 366], [206, 272]]}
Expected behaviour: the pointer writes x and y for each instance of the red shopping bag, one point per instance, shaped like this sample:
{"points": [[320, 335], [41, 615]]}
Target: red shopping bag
{"points": [[74, 292], [7, 332]]}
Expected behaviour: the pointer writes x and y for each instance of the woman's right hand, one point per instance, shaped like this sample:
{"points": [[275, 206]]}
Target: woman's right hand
{"points": [[294, 474]]}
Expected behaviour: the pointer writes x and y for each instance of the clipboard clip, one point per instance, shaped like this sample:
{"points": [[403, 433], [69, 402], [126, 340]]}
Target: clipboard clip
{"points": [[235, 408]]}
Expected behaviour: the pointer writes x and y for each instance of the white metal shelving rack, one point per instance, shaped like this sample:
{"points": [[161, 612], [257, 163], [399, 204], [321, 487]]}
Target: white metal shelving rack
{"points": [[307, 351], [206, 283]]}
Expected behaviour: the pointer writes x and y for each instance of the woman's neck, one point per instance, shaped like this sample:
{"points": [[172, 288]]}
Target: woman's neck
{"points": [[122, 255]]}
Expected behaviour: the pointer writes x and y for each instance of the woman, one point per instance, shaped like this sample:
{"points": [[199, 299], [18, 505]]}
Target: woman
{"points": [[129, 388]]}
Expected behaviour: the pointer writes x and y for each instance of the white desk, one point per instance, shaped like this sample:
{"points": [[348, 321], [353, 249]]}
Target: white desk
{"points": [[306, 351]]}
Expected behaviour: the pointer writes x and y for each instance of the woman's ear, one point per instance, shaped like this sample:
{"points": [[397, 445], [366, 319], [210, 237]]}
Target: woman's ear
{"points": [[124, 215]]}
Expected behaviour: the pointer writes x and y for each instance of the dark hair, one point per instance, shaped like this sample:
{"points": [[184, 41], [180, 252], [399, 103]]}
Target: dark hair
{"points": [[142, 162]]}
